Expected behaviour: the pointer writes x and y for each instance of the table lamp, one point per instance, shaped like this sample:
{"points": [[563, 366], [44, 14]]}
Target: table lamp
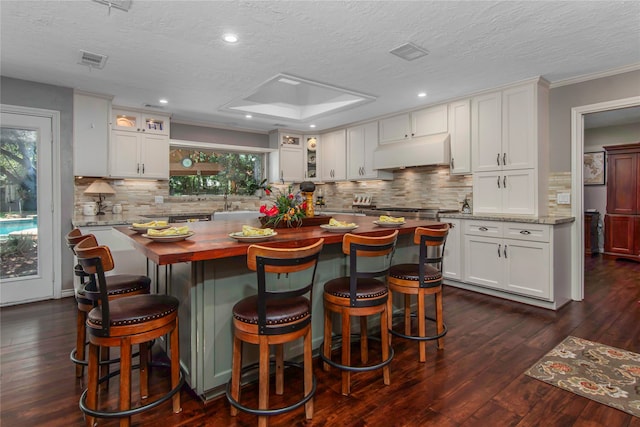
{"points": [[101, 188]]}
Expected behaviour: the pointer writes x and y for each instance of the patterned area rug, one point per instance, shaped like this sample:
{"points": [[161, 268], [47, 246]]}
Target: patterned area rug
{"points": [[605, 374]]}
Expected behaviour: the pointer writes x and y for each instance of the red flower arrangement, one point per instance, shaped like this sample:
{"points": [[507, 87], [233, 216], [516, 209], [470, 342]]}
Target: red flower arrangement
{"points": [[287, 207]]}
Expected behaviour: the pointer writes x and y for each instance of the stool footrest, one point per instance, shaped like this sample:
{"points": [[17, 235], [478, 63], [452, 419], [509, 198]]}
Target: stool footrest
{"points": [[355, 339], [416, 338], [133, 411], [274, 411]]}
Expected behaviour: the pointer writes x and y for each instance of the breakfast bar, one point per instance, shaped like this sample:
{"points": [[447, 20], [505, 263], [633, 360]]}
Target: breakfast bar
{"points": [[207, 272]]}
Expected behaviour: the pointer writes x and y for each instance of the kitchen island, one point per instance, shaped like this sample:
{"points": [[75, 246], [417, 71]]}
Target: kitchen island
{"points": [[208, 274]]}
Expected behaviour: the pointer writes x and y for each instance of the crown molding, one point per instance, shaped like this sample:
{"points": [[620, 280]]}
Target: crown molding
{"points": [[593, 76]]}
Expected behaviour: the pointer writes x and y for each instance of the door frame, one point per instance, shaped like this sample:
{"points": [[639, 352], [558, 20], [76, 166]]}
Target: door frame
{"points": [[577, 186], [56, 225]]}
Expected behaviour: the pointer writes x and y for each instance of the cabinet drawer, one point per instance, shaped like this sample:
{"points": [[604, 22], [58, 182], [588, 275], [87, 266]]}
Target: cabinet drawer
{"points": [[528, 232], [483, 228]]}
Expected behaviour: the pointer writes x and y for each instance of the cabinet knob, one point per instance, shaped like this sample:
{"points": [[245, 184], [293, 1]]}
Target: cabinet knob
{"points": [[525, 232], [483, 229], [405, 135]]}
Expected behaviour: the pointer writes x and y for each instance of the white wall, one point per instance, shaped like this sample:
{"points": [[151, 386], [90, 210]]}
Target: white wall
{"points": [[595, 196]]}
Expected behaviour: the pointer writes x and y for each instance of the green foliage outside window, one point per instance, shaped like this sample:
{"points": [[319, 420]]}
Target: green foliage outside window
{"points": [[218, 173]]}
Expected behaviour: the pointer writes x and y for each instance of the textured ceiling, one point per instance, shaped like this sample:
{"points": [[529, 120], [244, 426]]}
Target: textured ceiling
{"points": [[174, 50]]}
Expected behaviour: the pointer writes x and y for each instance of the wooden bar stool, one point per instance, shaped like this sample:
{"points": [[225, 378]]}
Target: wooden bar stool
{"points": [[422, 279], [359, 294], [118, 285], [275, 317], [124, 322]]}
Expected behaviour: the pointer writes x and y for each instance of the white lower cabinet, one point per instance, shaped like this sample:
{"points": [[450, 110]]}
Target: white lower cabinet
{"points": [[520, 265], [452, 258]]}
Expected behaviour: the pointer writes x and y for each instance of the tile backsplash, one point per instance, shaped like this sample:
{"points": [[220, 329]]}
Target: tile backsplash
{"points": [[425, 187]]}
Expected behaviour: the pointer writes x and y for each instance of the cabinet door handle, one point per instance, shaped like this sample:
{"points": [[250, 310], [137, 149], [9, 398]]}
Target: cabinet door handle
{"points": [[483, 229], [504, 182], [525, 232], [413, 134], [406, 135], [498, 159], [138, 169], [504, 159], [505, 251], [452, 167], [498, 181], [499, 247], [143, 168]]}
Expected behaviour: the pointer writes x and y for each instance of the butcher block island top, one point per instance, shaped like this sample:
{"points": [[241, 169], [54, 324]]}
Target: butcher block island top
{"points": [[211, 239]]}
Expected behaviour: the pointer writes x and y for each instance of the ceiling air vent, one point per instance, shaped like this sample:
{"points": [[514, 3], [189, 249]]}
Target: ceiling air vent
{"points": [[153, 106], [409, 52], [93, 60]]}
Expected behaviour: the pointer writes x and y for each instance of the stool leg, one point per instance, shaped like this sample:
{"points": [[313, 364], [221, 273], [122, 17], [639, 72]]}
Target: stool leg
{"points": [[384, 341], [81, 336], [364, 343], [279, 369], [439, 320], [143, 349], [236, 366], [104, 369], [390, 314], [422, 328], [92, 387], [125, 379], [175, 367], [263, 380], [327, 338], [346, 352], [308, 373], [407, 314]]}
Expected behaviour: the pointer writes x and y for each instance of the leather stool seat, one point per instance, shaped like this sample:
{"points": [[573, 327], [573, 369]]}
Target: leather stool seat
{"points": [[367, 288], [280, 311], [134, 310], [411, 272], [121, 285]]}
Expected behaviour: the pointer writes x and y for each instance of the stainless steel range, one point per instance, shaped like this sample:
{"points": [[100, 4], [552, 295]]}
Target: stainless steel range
{"points": [[409, 213]]}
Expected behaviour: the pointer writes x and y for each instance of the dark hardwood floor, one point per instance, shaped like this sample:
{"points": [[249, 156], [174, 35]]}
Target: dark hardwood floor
{"points": [[477, 380]]}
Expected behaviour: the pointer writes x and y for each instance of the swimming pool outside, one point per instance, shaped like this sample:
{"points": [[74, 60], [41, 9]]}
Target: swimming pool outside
{"points": [[8, 225]]}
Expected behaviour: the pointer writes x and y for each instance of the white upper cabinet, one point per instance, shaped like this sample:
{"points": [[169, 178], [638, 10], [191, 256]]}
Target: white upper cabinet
{"points": [[139, 146], [333, 153], [91, 116], [505, 129], [362, 141], [287, 163], [460, 137], [137, 155], [428, 121], [395, 128]]}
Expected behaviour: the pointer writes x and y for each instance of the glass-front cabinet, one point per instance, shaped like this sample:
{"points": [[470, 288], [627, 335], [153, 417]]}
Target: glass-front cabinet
{"points": [[135, 121], [312, 160]]}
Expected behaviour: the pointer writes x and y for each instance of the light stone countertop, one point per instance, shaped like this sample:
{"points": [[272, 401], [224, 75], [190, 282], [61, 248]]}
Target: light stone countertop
{"points": [[550, 220], [112, 219]]}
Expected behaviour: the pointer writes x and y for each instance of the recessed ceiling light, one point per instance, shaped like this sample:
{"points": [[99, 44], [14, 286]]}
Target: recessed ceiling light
{"points": [[312, 126], [163, 101], [248, 116], [230, 38], [422, 94]]}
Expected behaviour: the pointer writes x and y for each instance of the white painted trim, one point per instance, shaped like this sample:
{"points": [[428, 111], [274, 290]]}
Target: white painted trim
{"points": [[217, 126], [577, 188], [56, 185], [587, 77], [222, 147]]}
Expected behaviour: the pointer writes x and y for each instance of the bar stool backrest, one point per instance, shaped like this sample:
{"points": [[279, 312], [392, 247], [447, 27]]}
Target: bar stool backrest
{"points": [[74, 237], [367, 246], [432, 237], [95, 261], [283, 258]]}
